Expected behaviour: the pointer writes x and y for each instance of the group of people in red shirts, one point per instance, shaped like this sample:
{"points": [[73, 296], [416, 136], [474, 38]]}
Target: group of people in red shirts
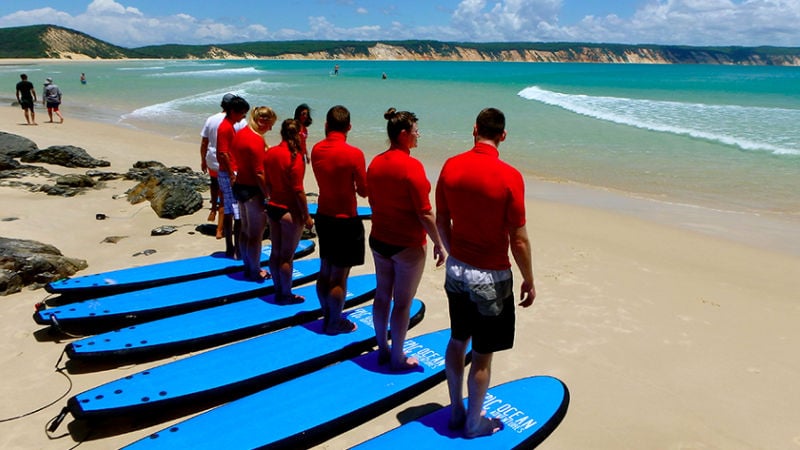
{"points": [[480, 215]]}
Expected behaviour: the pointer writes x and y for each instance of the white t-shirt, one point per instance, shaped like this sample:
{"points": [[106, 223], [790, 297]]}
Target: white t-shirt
{"points": [[209, 131]]}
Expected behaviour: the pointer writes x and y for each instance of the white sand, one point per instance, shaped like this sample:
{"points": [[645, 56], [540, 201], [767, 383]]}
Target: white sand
{"points": [[666, 338]]}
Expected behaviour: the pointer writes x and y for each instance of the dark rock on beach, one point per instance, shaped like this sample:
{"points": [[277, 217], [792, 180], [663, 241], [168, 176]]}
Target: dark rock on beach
{"points": [[64, 155], [172, 192], [15, 146], [31, 263]]}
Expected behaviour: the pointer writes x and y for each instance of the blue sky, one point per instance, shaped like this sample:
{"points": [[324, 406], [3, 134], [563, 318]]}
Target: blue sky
{"points": [[133, 23]]}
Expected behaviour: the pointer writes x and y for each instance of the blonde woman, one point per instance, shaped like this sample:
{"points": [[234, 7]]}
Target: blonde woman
{"points": [[250, 189]]}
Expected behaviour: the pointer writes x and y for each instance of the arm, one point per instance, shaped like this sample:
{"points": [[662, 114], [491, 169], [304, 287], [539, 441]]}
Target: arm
{"points": [[203, 151], [521, 251], [428, 222]]}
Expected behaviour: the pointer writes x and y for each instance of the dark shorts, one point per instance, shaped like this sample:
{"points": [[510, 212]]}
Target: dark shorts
{"points": [[341, 240], [243, 192], [26, 104], [53, 105], [384, 249], [489, 333], [276, 212]]}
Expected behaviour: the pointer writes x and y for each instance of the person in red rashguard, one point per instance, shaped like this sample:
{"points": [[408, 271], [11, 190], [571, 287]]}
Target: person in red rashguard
{"points": [[480, 212], [401, 217], [287, 209], [226, 175], [340, 170], [250, 188]]}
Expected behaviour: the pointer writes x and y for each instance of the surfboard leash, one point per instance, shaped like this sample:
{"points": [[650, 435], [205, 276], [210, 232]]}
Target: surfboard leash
{"points": [[61, 397]]}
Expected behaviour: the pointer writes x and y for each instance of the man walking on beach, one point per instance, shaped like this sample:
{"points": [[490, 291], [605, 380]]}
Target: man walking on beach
{"points": [[340, 170], [52, 99], [26, 96], [480, 212]]}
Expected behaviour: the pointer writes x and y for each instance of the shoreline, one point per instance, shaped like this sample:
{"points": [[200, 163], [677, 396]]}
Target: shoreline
{"points": [[665, 336]]}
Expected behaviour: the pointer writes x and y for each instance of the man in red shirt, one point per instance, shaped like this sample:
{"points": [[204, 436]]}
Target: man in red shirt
{"points": [[480, 212], [340, 170], [231, 223]]}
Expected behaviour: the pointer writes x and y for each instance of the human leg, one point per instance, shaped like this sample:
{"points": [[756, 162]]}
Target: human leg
{"points": [[408, 267], [335, 301], [285, 234], [478, 380], [454, 369], [381, 305], [323, 290], [253, 222]]}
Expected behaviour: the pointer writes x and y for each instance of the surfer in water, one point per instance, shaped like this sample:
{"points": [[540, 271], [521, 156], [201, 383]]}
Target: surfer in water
{"points": [[480, 212], [401, 217]]}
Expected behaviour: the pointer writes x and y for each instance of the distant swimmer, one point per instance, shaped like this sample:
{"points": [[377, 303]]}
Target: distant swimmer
{"points": [[336, 69], [83, 78], [383, 76]]}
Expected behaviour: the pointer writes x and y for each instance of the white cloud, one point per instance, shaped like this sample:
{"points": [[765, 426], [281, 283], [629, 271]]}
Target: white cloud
{"points": [[689, 22]]}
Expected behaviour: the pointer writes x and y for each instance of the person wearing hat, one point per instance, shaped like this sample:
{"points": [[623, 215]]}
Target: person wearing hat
{"points": [[52, 99], [208, 158]]}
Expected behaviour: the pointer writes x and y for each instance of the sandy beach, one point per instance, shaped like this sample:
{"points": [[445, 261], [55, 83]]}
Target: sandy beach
{"points": [[666, 338]]}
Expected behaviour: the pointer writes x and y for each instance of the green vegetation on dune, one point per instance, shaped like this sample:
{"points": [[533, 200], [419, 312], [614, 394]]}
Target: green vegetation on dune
{"points": [[50, 41]]}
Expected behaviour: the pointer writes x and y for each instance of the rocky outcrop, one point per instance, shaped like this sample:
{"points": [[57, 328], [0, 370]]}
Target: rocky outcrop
{"points": [[172, 192], [32, 263], [64, 155]]}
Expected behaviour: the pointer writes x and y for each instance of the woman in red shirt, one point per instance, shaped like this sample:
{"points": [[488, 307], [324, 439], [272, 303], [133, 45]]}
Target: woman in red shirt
{"points": [[287, 210], [250, 187], [401, 217]]}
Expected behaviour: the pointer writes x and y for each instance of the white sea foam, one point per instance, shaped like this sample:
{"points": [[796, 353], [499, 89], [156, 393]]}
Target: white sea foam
{"points": [[212, 73], [749, 128], [179, 106]]}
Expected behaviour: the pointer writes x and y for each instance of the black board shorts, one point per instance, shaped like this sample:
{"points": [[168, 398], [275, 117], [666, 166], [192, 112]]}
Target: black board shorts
{"points": [[489, 333], [341, 240]]}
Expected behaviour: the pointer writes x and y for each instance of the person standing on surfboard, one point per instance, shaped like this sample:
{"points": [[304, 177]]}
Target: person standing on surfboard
{"points": [[340, 170], [250, 187], [231, 220], [401, 216], [480, 212], [287, 209]]}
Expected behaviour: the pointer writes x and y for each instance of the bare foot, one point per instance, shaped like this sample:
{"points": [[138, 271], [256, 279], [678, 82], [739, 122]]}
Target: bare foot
{"points": [[458, 417], [408, 363], [485, 427], [340, 326]]}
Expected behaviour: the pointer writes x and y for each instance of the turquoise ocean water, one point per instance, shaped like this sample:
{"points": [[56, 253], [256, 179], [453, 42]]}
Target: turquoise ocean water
{"points": [[713, 148]]}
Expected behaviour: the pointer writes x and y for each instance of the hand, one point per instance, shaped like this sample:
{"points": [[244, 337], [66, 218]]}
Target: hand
{"points": [[309, 223], [439, 255], [527, 294]]}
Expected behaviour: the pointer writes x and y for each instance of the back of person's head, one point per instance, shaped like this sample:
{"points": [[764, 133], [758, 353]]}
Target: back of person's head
{"points": [[261, 112], [226, 100], [236, 104], [24, 76], [398, 121], [491, 124], [338, 119], [298, 114], [290, 133]]}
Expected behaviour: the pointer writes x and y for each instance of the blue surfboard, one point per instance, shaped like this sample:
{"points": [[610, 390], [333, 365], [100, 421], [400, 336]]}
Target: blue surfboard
{"points": [[230, 371], [212, 326], [364, 212], [530, 409], [312, 408], [123, 280], [163, 301]]}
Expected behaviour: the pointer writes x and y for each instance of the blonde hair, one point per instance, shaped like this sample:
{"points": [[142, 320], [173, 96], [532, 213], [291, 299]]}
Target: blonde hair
{"points": [[259, 112]]}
